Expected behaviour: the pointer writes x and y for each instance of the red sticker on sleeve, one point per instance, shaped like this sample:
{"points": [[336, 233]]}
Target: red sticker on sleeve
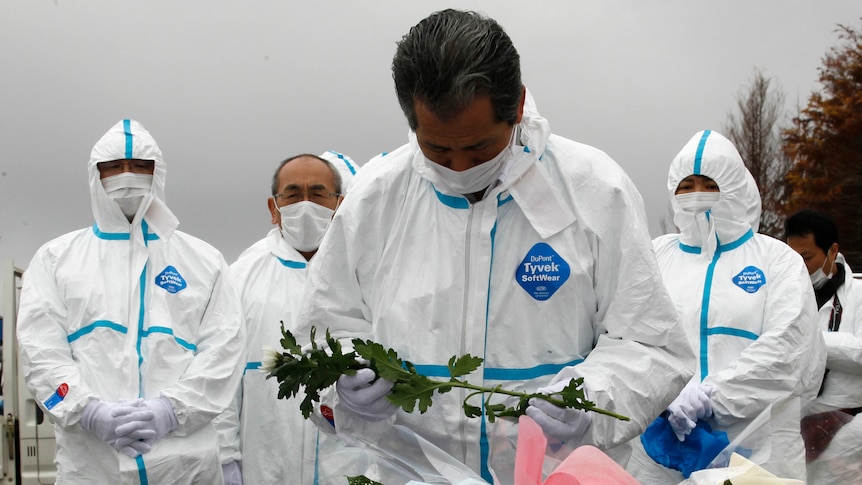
{"points": [[63, 389]]}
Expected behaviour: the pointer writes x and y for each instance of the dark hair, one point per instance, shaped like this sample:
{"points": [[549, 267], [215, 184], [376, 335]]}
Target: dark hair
{"points": [[336, 175], [449, 58], [809, 221]]}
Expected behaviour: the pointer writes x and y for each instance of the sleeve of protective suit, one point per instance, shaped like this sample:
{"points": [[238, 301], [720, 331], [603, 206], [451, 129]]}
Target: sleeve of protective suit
{"points": [[844, 348], [787, 359], [210, 382], [641, 358], [843, 352], [227, 424], [45, 356]]}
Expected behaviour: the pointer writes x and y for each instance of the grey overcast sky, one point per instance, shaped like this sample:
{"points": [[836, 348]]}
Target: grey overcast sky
{"points": [[230, 88]]}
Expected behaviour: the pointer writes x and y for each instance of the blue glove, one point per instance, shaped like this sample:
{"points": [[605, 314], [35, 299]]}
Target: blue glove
{"points": [[118, 424], [563, 424], [691, 405], [232, 473], [363, 397], [163, 420]]}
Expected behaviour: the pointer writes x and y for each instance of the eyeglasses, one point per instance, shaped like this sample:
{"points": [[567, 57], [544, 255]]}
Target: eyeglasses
{"points": [[316, 195], [134, 165]]}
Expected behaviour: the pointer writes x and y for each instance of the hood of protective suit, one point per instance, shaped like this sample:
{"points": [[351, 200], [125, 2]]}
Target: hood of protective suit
{"points": [[737, 211], [128, 139], [345, 165]]}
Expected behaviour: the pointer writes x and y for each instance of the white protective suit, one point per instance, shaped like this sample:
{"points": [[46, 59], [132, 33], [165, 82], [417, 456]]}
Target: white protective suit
{"points": [[746, 303], [117, 312], [550, 276], [269, 436], [841, 461]]}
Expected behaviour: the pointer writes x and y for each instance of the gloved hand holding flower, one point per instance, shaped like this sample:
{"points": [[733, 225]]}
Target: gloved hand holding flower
{"points": [[365, 396], [564, 424]]}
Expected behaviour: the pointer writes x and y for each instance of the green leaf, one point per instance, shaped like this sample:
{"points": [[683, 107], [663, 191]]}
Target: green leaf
{"points": [[288, 342], [361, 480], [463, 365], [316, 369]]}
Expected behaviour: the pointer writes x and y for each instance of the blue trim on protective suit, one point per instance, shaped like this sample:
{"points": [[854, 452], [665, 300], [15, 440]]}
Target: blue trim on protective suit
{"points": [[523, 374], [689, 249], [317, 458], [97, 324], [735, 244], [705, 331], [346, 163], [121, 236], [698, 156], [504, 201], [734, 332], [704, 316], [451, 200], [432, 370], [723, 248], [251, 366], [292, 264], [127, 129], [170, 331], [500, 373], [142, 470], [110, 236], [142, 281]]}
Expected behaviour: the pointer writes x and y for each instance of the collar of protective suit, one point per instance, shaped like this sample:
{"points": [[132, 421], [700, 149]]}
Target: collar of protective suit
{"points": [[737, 211], [521, 175], [126, 140], [281, 249]]}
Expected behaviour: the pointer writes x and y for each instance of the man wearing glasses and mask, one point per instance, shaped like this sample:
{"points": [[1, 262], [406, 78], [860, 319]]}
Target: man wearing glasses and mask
{"points": [[265, 439]]}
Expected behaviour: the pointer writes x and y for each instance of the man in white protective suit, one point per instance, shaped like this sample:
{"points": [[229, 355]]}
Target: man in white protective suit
{"points": [[265, 439], [124, 338], [746, 303], [832, 426], [487, 235]]}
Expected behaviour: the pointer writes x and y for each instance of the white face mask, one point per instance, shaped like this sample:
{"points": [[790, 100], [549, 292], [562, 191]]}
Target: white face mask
{"points": [[128, 190], [304, 223], [476, 178], [819, 277], [697, 202]]}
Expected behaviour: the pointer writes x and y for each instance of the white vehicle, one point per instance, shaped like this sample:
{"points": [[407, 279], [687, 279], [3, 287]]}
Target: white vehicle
{"points": [[27, 447]]}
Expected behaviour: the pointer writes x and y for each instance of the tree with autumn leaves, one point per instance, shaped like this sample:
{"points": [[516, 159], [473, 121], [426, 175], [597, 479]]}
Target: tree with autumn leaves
{"points": [[824, 145]]}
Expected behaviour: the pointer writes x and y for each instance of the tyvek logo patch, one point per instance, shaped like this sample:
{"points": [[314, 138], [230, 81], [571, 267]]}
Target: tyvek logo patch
{"points": [[750, 279], [542, 272], [171, 280]]}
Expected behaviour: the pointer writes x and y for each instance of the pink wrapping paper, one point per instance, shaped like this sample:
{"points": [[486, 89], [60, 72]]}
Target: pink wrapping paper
{"points": [[586, 465]]}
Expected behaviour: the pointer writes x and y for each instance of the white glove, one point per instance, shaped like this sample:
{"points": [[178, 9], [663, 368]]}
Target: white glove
{"points": [[136, 448], [122, 425], [365, 398], [692, 404], [164, 419], [563, 424], [232, 473]]}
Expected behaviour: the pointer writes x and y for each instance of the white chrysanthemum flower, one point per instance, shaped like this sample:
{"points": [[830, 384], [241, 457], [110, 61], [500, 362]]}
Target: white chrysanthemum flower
{"points": [[270, 359]]}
